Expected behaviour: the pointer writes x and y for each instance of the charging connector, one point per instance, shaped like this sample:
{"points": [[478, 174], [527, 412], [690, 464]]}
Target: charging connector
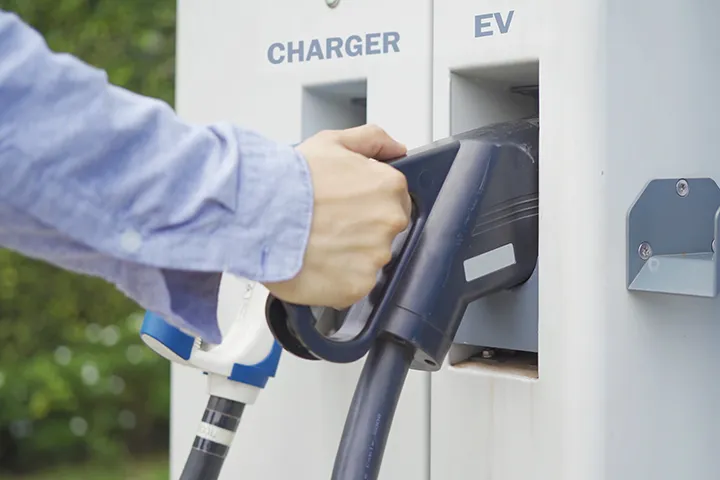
{"points": [[237, 371], [474, 233]]}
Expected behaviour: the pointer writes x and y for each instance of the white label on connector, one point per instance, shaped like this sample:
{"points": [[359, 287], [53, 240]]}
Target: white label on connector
{"points": [[489, 262], [215, 434]]}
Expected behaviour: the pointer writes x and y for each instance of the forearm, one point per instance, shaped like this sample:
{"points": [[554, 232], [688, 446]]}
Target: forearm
{"points": [[122, 176], [77, 151]]}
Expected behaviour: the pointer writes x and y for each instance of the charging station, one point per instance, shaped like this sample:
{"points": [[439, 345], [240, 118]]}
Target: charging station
{"points": [[598, 367], [622, 387], [289, 69]]}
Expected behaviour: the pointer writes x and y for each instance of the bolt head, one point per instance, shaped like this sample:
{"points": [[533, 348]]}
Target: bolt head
{"points": [[488, 353], [332, 3], [682, 188], [645, 251]]}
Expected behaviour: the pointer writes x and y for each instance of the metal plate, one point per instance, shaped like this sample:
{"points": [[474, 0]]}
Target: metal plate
{"points": [[670, 232]]}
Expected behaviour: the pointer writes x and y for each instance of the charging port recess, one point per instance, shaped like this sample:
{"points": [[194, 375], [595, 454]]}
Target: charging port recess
{"points": [[498, 333]]}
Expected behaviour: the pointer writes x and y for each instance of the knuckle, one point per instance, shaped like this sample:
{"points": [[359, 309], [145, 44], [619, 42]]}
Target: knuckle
{"points": [[383, 257], [368, 284], [375, 130], [375, 136], [394, 179], [361, 288], [398, 222], [326, 134]]}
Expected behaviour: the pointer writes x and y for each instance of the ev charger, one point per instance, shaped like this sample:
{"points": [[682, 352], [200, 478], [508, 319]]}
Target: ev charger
{"points": [[605, 382], [624, 387], [289, 69]]}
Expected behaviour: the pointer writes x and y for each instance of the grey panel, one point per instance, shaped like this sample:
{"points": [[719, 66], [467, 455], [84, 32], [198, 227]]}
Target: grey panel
{"points": [[506, 320], [670, 232]]}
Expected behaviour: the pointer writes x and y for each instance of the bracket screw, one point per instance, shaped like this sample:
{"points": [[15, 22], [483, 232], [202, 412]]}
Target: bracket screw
{"points": [[682, 188], [332, 3], [645, 251], [488, 353]]}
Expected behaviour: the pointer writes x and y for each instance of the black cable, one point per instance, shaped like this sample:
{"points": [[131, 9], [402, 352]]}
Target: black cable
{"points": [[369, 420], [212, 442]]}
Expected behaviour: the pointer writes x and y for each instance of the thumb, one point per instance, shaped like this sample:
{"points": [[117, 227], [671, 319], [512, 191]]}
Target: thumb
{"points": [[371, 141]]}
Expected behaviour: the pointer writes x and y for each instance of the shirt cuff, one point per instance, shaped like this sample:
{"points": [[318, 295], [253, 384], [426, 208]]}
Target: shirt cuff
{"points": [[193, 298], [186, 300], [255, 225], [260, 232]]}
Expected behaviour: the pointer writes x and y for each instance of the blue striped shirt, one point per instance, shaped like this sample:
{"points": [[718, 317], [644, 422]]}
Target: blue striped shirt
{"points": [[105, 182]]}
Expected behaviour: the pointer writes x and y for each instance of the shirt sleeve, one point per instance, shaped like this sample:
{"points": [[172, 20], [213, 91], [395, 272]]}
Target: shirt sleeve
{"points": [[186, 299], [121, 178]]}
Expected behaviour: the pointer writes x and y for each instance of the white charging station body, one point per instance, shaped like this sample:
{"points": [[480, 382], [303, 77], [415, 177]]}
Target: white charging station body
{"points": [[289, 69], [625, 386]]}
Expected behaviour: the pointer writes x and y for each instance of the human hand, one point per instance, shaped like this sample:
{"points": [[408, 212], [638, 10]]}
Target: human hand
{"points": [[360, 206]]}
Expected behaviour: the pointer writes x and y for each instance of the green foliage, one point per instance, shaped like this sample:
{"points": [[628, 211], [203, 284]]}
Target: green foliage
{"points": [[147, 469], [75, 380], [133, 40]]}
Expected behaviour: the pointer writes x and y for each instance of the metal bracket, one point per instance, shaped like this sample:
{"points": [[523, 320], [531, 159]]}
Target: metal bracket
{"points": [[672, 230]]}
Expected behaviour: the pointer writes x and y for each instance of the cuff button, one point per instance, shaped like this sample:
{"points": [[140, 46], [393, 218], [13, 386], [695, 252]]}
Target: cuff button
{"points": [[130, 241]]}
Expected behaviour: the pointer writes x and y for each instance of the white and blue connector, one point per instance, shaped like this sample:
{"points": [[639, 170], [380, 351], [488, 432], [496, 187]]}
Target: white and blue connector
{"points": [[237, 370]]}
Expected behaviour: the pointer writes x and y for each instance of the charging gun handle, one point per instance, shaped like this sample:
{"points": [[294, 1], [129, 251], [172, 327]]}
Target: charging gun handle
{"points": [[294, 325]]}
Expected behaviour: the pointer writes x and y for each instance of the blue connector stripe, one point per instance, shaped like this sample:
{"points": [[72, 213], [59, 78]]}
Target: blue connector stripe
{"points": [[257, 375], [173, 338]]}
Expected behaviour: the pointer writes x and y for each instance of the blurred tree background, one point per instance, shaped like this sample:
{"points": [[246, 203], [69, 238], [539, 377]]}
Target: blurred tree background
{"points": [[77, 386]]}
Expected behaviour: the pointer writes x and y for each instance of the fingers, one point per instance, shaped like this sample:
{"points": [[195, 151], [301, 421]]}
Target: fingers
{"points": [[397, 183], [371, 141], [406, 203]]}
